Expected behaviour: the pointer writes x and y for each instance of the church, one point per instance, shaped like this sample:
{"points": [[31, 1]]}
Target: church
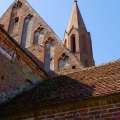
{"points": [[45, 78]]}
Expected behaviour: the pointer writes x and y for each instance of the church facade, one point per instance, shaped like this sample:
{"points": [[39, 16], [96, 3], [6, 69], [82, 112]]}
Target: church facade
{"points": [[43, 78], [42, 42]]}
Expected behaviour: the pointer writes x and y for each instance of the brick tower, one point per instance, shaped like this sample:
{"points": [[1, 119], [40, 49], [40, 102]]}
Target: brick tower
{"points": [[77, 40]]}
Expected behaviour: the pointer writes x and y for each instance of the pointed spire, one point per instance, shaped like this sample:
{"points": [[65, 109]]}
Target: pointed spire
{"points": [[75, 1], [76, 19]]}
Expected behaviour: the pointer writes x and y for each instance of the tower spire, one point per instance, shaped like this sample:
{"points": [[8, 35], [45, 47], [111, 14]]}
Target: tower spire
{"points": [[77, 39], [76, 19], [75, 0]]}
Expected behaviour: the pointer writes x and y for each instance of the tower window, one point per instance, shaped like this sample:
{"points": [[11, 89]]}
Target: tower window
{"points": [[73, 44]]}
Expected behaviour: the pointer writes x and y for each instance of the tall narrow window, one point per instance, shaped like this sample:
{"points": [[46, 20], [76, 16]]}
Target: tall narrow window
{"points": [[52, 58], [73, 44], [37, 36], [63, 62], [49, 56], [25, 30], [14, 18]]}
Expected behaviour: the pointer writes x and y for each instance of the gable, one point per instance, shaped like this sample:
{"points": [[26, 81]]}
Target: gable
{"points": [[47, 34]]}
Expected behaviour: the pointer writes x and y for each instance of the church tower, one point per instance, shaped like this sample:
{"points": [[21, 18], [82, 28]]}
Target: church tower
{"points": [[77, 40]]}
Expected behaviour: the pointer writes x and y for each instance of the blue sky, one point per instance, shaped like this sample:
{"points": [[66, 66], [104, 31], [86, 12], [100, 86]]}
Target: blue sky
{"points": [[102, 18]]}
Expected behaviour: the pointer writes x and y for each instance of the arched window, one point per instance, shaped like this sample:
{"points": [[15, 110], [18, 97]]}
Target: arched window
{"points": [[25, 30], [52, 58], [73, 44], [49, 56], [37, 36], [13, 20], [63, 61]]}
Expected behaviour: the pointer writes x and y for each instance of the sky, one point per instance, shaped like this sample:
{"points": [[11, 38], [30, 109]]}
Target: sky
{"points": [[102, 19]]}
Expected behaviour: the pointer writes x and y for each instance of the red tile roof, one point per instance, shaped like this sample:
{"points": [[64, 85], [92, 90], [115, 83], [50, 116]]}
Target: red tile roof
{"points": [[104, 78]]}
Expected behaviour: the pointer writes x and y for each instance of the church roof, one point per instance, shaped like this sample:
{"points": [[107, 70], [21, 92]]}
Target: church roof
{"points": [[95, 81], [104, 78]]}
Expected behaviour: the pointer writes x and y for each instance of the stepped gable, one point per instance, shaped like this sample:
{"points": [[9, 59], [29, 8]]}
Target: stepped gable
{"points": [[48, 36], [104, 78]]}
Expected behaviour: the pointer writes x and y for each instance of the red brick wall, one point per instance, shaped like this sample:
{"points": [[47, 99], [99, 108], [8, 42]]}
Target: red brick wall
{"points": [[93, 108], [107, 112], [23, 11], [9, 44]]}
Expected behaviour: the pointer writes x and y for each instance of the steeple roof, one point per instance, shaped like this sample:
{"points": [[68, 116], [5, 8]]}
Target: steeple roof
{"points": [[76, 19]]}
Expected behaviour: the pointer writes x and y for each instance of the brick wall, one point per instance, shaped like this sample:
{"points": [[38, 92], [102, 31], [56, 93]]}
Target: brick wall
{"points": [[9, 44], [107, 112], [93, 108], [15, 65], [38, 51], [99, 108]]}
